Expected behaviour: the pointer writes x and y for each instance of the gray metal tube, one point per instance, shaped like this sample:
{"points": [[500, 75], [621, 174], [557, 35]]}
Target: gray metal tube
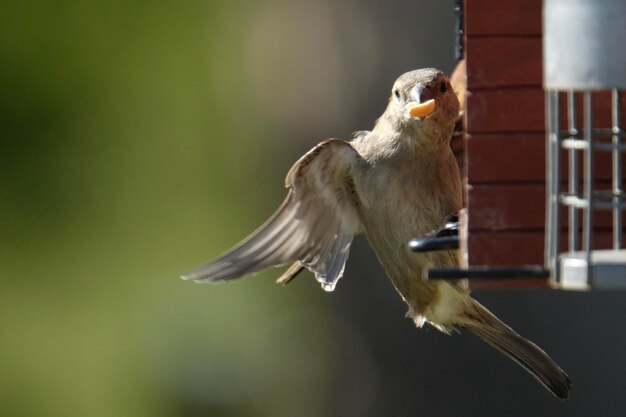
{"points": [[588, 182], [617, 170], [583, 44], [553, 171], [574, 237]]}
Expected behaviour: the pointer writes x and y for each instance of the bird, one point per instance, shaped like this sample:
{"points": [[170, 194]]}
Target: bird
{"points": [[393, 183]]}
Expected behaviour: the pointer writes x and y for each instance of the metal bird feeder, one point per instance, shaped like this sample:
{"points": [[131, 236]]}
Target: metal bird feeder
{"points": [[584, 59]]}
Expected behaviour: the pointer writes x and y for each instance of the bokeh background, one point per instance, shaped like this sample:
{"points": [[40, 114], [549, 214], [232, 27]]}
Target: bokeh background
{"points": [[139, 139]]}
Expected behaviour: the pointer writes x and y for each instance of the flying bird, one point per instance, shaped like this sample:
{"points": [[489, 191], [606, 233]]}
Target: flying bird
{"points": [[393, 183]]}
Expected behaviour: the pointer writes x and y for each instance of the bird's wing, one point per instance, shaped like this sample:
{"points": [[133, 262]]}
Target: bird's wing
{"points": [[315, 224]]}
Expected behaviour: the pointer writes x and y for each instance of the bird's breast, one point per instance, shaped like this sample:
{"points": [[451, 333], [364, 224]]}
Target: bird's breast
{"points": [[404, 201]]}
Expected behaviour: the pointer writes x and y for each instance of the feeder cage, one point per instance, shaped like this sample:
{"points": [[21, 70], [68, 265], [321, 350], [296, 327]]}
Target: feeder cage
{"points": [[584, 71]]}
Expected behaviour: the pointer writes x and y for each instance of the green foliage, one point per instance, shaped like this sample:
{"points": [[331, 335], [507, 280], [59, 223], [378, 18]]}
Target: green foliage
{"points": [[117, 146]]}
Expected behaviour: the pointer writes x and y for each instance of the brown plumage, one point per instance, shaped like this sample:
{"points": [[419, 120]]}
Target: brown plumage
{"points": [[394, 183]]}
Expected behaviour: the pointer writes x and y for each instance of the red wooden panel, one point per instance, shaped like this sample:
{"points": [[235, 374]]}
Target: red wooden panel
{"points": [[520, 158], [503, 61], [505, 110], [505, 158], [489, 17], [504, 207], [507, 248], [508, 110], [516, 248], [516, 207], [521, 109]]}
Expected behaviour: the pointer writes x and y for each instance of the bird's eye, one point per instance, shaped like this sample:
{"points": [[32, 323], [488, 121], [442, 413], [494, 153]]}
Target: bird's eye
{"points": [[396, 93], [443, 87]]}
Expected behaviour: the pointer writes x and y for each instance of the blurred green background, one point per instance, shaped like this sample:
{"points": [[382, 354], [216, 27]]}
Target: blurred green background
{"points": [[139, 139]]}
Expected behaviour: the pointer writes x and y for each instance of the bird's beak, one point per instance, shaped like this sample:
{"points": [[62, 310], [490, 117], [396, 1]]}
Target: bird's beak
{"points": [[424, 103]]}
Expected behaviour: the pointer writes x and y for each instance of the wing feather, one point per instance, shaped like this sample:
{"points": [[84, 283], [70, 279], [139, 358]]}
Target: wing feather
{"points": [[314, 226]]}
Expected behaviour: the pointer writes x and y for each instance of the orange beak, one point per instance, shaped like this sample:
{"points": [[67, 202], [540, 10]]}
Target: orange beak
{"points": [[421, 110]]}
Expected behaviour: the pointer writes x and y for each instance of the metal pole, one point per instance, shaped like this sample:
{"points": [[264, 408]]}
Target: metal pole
{"points": [[617, 170], [574, 237], [588, 182], [553, 162]]}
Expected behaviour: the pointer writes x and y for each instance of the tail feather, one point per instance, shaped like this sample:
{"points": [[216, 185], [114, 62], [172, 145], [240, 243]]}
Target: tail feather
{"points": [[531, 357]]}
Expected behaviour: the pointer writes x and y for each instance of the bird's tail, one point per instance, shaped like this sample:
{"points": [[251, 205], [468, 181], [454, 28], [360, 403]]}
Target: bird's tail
{"points": [[531, 357]]}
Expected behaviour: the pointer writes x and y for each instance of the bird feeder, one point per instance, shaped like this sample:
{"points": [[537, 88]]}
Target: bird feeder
{"points": [[534, 69], [584, 73]]}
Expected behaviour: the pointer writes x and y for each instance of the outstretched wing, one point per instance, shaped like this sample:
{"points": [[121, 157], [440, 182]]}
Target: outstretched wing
{"points": [[315, 224]]}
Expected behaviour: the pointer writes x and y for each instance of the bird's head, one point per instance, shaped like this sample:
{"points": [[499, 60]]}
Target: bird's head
{"points": [[422, 100]]}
